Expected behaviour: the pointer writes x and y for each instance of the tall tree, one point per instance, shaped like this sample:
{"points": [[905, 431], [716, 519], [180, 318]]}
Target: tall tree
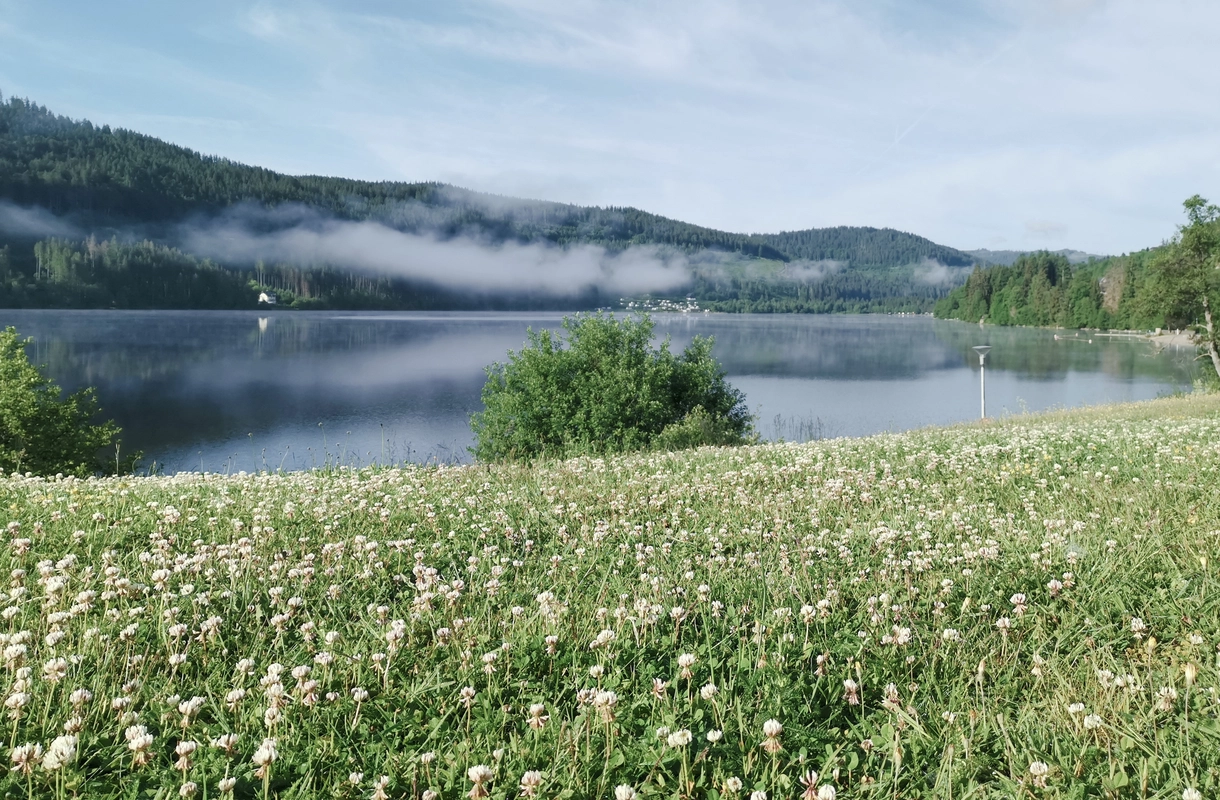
{"points": [[1186, 277]]}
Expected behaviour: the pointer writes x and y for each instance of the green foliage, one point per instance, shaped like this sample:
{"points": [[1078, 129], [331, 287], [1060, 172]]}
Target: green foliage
{"points": [[1185, 281], [42, 432], [1045, 289], [605, 389], [698, 429], [845, 292]]}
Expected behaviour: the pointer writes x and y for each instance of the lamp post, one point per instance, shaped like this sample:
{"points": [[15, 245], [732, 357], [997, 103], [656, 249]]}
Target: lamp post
{"points": [[982, 350]]}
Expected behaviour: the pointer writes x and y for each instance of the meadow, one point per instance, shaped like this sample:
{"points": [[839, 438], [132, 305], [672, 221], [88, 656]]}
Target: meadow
{"points": [[1026, 608]]}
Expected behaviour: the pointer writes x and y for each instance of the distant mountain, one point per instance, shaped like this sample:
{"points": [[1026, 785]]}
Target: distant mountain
{"points": [[91, 215], [1007, 258]]}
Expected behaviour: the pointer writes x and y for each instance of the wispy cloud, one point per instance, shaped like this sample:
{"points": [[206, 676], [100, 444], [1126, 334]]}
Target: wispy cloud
{"points": [[931, 271], [299, 236], [18, 220]]}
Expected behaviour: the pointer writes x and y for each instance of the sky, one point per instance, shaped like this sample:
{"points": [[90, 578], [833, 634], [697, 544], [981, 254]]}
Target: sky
{"points": [[1005, 124]]}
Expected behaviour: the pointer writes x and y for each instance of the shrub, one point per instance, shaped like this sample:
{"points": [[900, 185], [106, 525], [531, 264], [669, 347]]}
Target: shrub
{"points": [[42, 432], [606, 389]]}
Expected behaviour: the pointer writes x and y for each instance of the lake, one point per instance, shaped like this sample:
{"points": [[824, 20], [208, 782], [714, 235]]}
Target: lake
{"points": [[230, 391]]}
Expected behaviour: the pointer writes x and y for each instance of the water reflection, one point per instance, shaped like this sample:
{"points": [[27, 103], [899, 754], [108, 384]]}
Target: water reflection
{"points": [[238, 390]]}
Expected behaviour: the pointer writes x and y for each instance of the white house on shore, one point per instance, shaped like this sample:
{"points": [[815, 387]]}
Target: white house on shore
{"points": [[267, 298]]}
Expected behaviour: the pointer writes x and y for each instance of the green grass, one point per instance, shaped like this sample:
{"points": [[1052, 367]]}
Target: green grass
{"points": [[895, 562]]}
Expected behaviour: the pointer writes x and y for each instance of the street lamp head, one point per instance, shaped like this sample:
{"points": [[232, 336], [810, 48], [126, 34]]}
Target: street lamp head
{"points": [[982, 350]]}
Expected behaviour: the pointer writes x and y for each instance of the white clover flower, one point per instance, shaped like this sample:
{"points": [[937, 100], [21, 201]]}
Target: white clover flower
{"points": [[758, 794], [1076, 709], [530, 781], [708, 691], [733, 785], [624, 792], [715, 736], [772, 730], [265, 756], [61, 753], [826, 792], [479, 775], [1191, 793], [25, 757], [1039, 770], [1092, 722], [188, 789], [679, 738]]}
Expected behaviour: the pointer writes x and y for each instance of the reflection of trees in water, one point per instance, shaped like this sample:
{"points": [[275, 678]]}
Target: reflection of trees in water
{"points": [[175, 379], [818, 347], [887, 348], [1038, 355], [97, 348]]}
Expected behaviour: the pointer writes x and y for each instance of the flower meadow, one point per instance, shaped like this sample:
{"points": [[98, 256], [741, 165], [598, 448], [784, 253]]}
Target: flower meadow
{"points": [[1022, 609]]}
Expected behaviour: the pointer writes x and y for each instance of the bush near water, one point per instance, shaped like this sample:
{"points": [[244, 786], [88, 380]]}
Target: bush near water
{"points": [[1025, 609], [42, 431], [603, 388]]}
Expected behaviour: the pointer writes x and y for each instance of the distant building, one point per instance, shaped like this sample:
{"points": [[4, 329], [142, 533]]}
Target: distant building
{"points": [[267, 298]]}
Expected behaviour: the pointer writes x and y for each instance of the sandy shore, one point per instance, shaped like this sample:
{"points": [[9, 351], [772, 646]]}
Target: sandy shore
{"points": [[1170, 339]]}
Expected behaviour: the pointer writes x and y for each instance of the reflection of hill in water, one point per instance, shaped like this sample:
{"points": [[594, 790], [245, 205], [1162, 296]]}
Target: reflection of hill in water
{"points": [[174, 379], [88, 348], [889, 348]]}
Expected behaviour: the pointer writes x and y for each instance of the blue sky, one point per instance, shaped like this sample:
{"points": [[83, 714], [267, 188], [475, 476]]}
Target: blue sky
{"points": [[998, 123]]}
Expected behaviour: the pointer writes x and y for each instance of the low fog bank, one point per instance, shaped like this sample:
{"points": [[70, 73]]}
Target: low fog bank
{"points": [[298, 236], [33, 221], [934, 273], [444, 247]]}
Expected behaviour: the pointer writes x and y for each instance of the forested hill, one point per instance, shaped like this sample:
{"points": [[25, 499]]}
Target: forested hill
{"points": [[125, 187]]}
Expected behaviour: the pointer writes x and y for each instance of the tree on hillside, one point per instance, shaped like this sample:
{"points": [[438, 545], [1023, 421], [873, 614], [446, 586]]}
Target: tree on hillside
{"points": [[42, 432], [1186, 276], [605, 389]]}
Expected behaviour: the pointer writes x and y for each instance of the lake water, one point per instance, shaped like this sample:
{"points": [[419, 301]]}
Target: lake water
{"points": [[228, 391]]}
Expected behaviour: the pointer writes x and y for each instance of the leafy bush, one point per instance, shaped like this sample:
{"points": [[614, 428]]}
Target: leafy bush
{"points": [[606, 389], [697, 429], [42, 432]]}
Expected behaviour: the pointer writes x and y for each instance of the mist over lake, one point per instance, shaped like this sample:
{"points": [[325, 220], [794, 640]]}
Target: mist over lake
{"points": [[230, 391]]}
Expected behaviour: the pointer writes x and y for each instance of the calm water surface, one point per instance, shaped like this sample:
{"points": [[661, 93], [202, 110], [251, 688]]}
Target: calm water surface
{"points": [[242, 390]]}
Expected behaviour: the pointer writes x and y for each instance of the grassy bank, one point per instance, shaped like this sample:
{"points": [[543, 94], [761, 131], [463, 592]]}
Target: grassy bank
{"points": [[1026, 608]]}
